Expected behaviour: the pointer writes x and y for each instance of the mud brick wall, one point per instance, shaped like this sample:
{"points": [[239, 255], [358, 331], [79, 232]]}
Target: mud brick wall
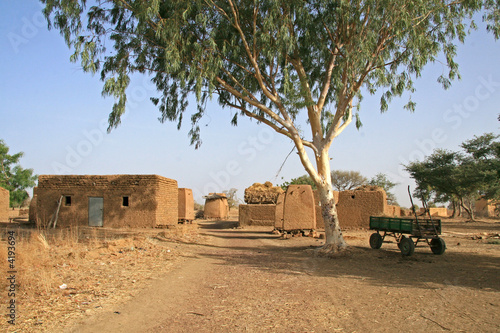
{"points": [[435, 211], [278, 215], [485, 208], [299, 209], [356, 207], [216, 208], [186, 204], [262, 215], [32, 208], [393, 211], [152, 200], [167, 199], [4, 205]]}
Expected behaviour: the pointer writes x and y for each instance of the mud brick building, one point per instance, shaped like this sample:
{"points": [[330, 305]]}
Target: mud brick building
{"points": [[4, 205], [486, 208], [435, 211], [186, 205], [356, 207], [107, 201], [278, 215]]}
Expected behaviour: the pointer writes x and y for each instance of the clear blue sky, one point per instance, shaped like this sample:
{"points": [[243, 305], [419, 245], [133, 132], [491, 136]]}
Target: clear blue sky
{"points": [[55, 114]]}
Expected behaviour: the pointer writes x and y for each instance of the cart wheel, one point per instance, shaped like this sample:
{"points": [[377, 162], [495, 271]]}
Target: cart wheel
{"points": [[407, 246], [400, 240], [376, 240], [438, 246]]}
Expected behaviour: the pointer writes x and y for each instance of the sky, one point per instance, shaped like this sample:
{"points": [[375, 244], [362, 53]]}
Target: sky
{"points": [[55, 114]]}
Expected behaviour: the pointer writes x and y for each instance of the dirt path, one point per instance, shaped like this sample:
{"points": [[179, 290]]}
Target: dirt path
{"points": [[252, 281]]}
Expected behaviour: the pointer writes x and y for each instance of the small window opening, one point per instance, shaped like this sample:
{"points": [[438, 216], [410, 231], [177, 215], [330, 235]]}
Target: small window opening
{"points": [[67, 200], [352, 196], [125, 201]]}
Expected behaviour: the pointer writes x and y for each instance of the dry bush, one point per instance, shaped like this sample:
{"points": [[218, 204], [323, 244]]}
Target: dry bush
{"points": [[97, 266]]}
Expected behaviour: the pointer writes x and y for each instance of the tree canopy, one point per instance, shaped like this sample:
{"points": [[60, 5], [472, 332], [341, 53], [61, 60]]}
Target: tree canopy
{"points": [[268, 59], [347, 180], [381, 180], [13, 177]]}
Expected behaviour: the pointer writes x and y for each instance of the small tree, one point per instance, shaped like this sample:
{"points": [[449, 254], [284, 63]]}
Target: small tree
{"points": [[13, 177], [302, 180], [270, 60], [381, 180], [347, 180], [232, 199]]}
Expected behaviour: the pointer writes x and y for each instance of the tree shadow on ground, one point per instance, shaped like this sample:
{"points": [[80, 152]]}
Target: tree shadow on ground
{"points": [[383, 267]]}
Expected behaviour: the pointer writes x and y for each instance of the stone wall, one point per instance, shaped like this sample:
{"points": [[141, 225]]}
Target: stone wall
{"points": [[128, 200], [186, 204], [262, 215], [4, 205]]}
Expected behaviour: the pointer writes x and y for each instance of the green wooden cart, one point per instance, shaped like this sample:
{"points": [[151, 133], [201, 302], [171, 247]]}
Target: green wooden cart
{"points": [[418, 229]]}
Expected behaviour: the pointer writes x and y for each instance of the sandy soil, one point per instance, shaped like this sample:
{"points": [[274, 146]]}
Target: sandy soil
{"points": [[250, 280]]}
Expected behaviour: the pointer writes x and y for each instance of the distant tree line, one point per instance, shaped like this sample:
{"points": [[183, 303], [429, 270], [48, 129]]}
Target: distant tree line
{"points": [[460, 177]]}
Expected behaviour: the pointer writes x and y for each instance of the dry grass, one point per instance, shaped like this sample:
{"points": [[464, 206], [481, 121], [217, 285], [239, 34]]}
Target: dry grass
{"points": [[97, 267]]}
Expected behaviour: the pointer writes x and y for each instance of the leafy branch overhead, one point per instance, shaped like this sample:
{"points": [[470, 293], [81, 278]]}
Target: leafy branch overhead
{"points": [[267, 59]]}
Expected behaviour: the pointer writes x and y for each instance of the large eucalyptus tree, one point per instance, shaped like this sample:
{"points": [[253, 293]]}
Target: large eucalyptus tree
{"points": [[269, 60]]}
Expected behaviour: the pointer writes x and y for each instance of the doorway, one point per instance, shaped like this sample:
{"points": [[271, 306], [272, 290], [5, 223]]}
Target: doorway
{"points": [[96, 205]]}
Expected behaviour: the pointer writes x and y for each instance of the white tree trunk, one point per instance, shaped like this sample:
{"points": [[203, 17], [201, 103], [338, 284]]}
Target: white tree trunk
{"points": [[334, 241]]}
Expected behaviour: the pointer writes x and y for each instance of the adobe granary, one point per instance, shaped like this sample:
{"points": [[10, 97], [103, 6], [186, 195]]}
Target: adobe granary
{"points": [[4, 204], [107, 201], [299, 211], [216, 206], [186, 205], [261, 202]]}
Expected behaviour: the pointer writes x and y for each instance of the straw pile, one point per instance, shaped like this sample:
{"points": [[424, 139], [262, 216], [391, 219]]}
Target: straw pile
{"points": [[262, 193]]}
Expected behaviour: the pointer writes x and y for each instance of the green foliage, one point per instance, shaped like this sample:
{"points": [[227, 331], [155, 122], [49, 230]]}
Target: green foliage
{"points": [[266, 59], [232, 199], [302, 180], [347, 180], [381, 180], [13, 177], [463, 176]]}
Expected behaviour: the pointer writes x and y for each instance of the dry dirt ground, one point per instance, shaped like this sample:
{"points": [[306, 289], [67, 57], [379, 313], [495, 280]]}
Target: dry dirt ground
{"points": [[225, 279]]}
